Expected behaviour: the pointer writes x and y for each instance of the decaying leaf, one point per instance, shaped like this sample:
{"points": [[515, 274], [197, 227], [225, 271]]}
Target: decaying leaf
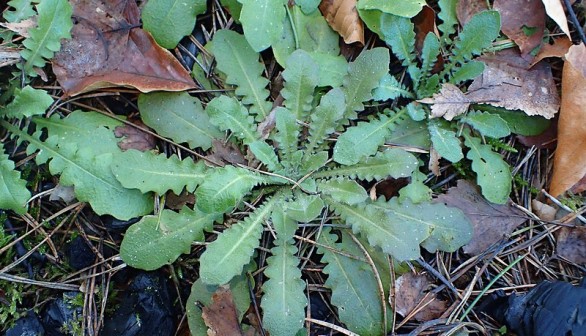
{"points": [[570, 157], [134, 138], [508, 82], [558, 48], [466, 9], [108, 49], [9, 56], [571, 244], [410, 290], [226, 153], [450, 102], [342, 16], [523, 22], [21, 27], [555, 10], [221, 316], [544, 211], [490, 221]]}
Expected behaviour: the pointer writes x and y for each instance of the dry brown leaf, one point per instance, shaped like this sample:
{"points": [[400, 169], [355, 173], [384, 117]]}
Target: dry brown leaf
{"points": [[221, 316], [134, 138], [571, 244], [342, 16], [569, 165], [544, 211], [449, 102], [466, 9], [434, 163], [517, 17], [22, 27], [555, 10], [508, 82], [558, 49], [9, 56], [226, 153], [177, 202], [491, 222], [410, 290], [108, 49]]}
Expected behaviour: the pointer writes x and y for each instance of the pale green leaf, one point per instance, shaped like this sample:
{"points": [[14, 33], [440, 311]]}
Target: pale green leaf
{"points": [[87, 168], [392, 162], [26, 103], [476, 35], [229, 114], [234, 7], [313, 162], [284, 299], [382, 228], [343, 190], [390, 88], [398, 33], [170, 20], [284, 225], [416, 111], [364, 75], [178, 116], [202, 293], [53, 24], [364, 139], [372, 19], [468, 71], [416, 190], [353, 283], [23, 9], [445, 141], [332, 69], [411, 133], [307, 6], [148, 171], [518, 121], [429, 54], [493, 173], [158, 240], [260, 19], [224, 187], [324, 118], [301, 76], [304, 208], [287, 135], [307, 32], [225, 257], [239, 62], [13, 192], [405, 8], [265, 153], [448, 228], [490, 125], [449, 19]]}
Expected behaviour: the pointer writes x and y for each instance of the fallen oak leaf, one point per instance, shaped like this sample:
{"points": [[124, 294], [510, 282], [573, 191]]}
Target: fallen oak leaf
{"points": [[342, 16], [491, 222], [507, 81], [523, 22], [109, 49], [569, 166], [221, 316], [449, 102]]}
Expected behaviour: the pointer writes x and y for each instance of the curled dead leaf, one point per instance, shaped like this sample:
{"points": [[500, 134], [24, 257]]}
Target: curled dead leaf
{"points": [[555, 10], [342, 16], [109, 49], [569, 165], [558, 48]]}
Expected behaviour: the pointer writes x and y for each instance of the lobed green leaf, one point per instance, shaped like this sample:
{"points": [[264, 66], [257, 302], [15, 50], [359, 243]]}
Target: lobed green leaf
{"points": [[224, 187], [390, 88], [445, 141], [13, 192], [284, 299], [324, 118], [405, 8], [239, 62], [229, 114], [178, 116], [392, 162], [225, 257], [304, 208], [449, 19], [343, 190], [53, 24], [148, 171], [301, 76], [23, 9], [493, 173], [158, 240], [354, 286], [27, 103]]}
